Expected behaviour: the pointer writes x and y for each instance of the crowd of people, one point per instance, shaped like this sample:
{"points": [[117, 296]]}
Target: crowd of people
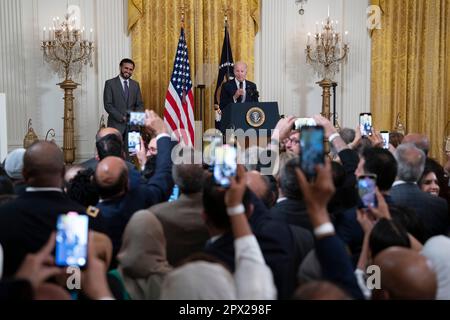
{"points": [[265, 237]]}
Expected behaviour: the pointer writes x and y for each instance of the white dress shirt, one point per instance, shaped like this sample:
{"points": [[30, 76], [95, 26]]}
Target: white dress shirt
{"points": [[243, 87]]}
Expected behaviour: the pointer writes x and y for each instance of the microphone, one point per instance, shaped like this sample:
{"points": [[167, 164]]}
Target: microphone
{"points": [[241, 85]]}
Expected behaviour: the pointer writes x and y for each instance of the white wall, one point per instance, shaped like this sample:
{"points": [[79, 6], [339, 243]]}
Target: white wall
{"points": [[3, 127], [30, 84], [281, 71]]}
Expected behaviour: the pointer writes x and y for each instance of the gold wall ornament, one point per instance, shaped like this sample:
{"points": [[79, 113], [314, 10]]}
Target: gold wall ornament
{"points": [[399, 126], [52, 134], [30, 137], [325, 53], [102, 123], [67, 49]]}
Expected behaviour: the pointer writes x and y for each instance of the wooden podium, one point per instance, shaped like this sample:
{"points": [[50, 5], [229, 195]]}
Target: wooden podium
{"points": [[250, 119]]}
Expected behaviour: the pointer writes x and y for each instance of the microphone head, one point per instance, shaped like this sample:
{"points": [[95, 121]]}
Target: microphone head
{"points": [[241, 85]]}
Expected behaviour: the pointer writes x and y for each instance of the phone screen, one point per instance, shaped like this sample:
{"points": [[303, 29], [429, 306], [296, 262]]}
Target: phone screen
{"points": [[366, 189], [385, 136], [72, 240], [225, 165], [365, 124], [312, 149], [134, 142], [137, 119], [175, 193]]}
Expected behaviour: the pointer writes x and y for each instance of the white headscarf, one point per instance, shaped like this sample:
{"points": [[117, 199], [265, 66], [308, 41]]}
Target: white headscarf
{"points": [[199, 280], [437, 250]]}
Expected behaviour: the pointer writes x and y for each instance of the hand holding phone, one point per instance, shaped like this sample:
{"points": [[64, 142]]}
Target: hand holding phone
{"points": [[72, 232], [137, 119], [367, 185], [385, 136], [312, 149], [225, 165], [365, 124], [134, 142]]}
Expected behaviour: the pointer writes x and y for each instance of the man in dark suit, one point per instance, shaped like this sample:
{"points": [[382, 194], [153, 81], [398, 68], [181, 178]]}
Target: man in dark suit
{"points": [[238, 90], [433, 211], [122, 95], [27, 222], [117, 201]]}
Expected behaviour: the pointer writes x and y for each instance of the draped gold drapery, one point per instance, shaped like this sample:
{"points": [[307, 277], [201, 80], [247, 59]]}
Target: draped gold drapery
{"points": [[411, 68], [155, 28]]}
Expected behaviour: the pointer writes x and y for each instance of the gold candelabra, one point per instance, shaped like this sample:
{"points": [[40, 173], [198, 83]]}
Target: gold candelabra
{"points": [[67, 49], [325, 53]]}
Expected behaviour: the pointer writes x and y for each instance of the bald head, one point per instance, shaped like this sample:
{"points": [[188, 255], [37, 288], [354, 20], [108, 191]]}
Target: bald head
{"points": [[421, 141], [111, 177], [105, 131], [405, 274], [43, 165], [320, 290]]}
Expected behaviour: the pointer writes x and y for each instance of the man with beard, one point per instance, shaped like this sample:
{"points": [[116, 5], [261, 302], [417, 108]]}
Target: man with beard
{"points": [[121, 96]]}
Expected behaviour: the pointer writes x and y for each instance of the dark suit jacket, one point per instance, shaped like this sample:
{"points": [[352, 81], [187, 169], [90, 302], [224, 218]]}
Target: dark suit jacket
{"points": [[117, 212], [292, 212], [278, 244], [183, 226], [230, 88], [117, 106], [27, 222], [433, 211]]}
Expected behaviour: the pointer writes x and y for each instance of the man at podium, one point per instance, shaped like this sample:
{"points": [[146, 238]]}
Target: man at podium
{"points": [[238, 90]]}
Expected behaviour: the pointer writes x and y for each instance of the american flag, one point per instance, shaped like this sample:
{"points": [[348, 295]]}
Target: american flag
{"points": [[179, 106]]}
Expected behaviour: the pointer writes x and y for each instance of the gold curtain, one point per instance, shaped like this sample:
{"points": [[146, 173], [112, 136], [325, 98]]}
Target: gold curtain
{"points": [[411, 68], [155, 28]]}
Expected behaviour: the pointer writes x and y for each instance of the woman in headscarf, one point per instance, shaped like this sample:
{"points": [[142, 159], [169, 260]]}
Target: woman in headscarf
{"points": [[142, 257], [437, 250]]}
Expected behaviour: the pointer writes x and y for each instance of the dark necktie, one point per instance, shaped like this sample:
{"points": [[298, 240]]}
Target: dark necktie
{"points": [[241, 86], [126, 90]]}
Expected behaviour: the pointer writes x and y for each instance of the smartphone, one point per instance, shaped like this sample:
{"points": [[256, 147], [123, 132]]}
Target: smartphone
{"points": [[312, 149], [225, 165], [72, 235], [301, 122], [137, 119], [365, 124], [366, 190], [175, 193], [134, 142], [385, 136]]}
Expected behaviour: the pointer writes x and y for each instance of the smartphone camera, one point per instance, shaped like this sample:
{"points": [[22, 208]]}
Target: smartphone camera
{"points": [[365, 124], [137, 119], [302, 122], [134, 142], [175, 194], [366, 189], [385, 136], [72, 240], [312, 149], [225, 165]]}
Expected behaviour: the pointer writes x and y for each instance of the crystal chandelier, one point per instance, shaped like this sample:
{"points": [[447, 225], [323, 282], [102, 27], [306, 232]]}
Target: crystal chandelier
{"points": [[66, 48], [327, 50], [325, 53]]}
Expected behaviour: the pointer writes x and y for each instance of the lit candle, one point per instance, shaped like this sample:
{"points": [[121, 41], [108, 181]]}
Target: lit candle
{"points": [[317, 26], [43, 36], [91, 36], [309, 39], [82, 34], [346, 37], [328, 11]]}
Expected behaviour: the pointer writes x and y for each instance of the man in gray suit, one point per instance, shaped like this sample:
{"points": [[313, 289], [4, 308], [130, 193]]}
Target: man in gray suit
{"points": [[121, 96]]}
